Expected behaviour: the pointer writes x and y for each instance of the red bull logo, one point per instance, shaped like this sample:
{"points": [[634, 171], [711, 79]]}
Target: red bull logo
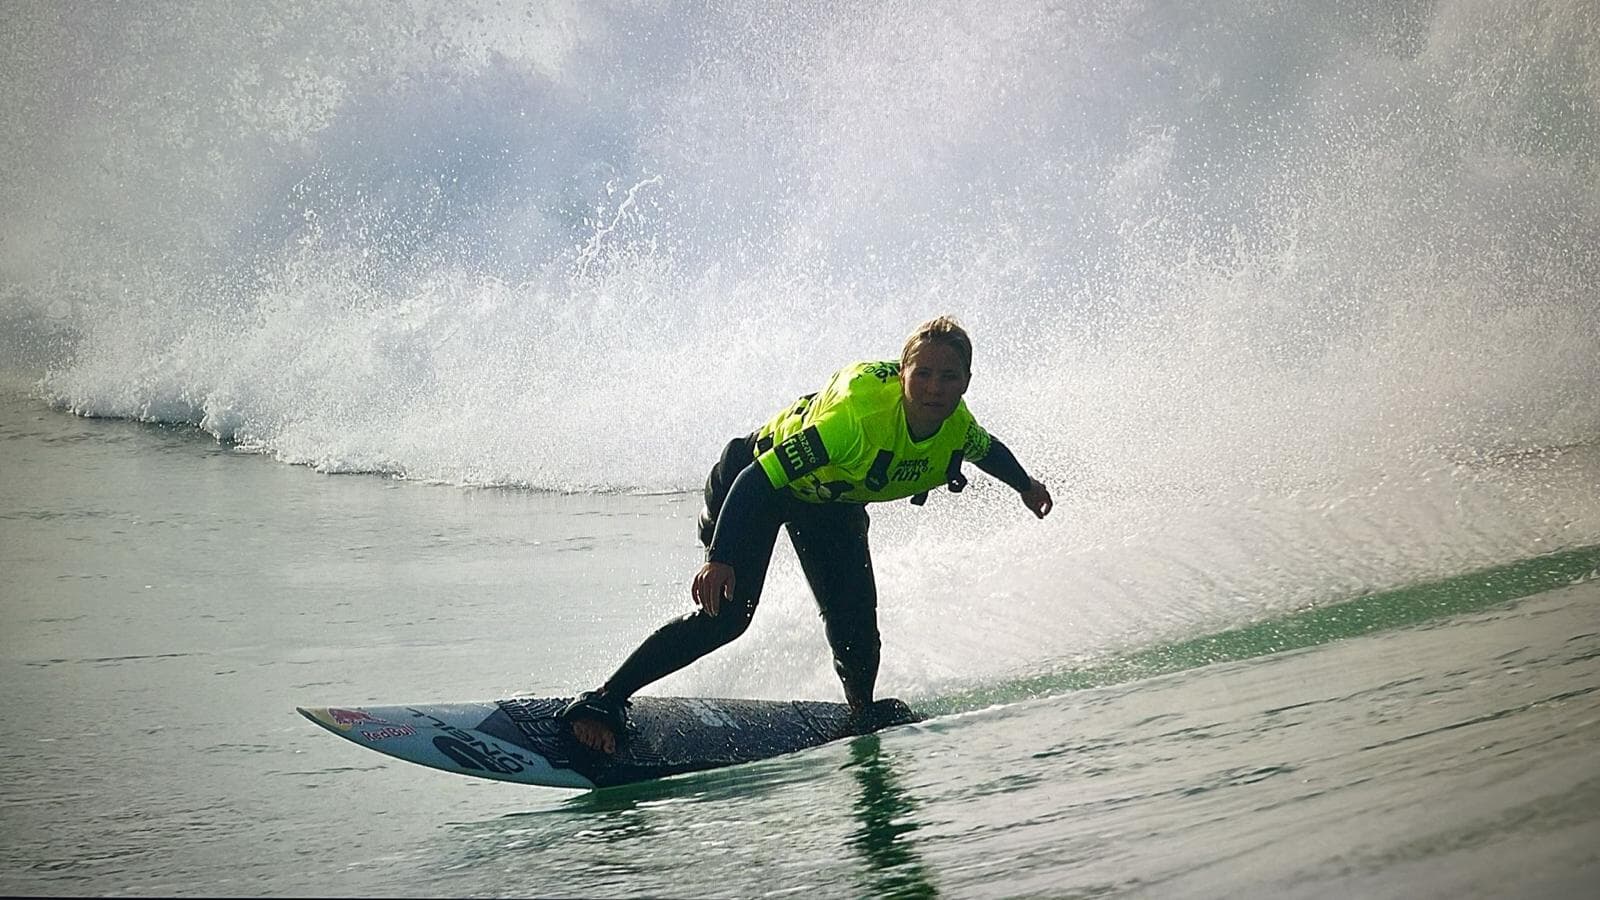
{"points": [[391, 731], [346, 719]]}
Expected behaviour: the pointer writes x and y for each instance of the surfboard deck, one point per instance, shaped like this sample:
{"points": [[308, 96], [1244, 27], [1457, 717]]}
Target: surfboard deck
{"points": [[522, 740]]}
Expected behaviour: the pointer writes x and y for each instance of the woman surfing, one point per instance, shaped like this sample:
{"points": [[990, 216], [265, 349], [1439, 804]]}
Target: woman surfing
{"points": [[877, 431]]}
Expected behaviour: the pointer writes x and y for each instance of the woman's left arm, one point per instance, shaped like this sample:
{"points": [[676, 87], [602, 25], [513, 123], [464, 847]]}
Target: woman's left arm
{"points": [[1002, 464]]}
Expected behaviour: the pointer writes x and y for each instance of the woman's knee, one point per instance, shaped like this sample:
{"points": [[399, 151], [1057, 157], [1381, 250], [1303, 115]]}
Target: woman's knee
{"points": [[731, 621]]}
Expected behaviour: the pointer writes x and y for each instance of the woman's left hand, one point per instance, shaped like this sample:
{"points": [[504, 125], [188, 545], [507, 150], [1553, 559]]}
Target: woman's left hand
{"points": [[1037, 498]]}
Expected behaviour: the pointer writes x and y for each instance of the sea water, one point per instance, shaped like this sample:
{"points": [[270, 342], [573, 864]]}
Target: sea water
{"points": [[169, 601], [375, 354]]}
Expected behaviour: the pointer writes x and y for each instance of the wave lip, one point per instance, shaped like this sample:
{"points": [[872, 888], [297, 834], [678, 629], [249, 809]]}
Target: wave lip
{"points": [[1403, 607]]}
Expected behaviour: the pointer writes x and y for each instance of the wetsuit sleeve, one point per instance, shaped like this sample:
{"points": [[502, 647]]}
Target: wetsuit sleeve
{"points": [[750, 499], [834, 438], [1002, 464]]}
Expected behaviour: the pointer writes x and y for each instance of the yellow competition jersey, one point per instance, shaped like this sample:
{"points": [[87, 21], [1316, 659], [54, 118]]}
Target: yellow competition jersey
{"points": [[848, 442]]}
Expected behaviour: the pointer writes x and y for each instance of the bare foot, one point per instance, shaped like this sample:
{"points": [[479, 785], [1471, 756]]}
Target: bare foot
{"points": [[595, 734]]}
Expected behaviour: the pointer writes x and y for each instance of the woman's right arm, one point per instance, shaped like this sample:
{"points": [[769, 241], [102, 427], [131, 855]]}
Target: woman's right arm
{"points": [[750, 499]]}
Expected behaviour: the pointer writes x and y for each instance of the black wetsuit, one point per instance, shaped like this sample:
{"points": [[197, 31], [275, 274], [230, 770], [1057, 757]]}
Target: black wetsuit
{"points": [[740, 528]]}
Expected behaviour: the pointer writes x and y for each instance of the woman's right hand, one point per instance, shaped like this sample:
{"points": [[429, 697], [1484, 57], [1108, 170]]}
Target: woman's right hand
{"points": [[712, 584]]}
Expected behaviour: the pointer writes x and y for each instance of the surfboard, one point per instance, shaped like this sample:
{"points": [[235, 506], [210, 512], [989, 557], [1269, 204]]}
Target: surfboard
{"points": [[523, 740]]}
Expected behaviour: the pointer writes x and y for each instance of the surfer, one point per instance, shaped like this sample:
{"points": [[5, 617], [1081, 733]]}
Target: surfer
{"points": [[877, 431]]}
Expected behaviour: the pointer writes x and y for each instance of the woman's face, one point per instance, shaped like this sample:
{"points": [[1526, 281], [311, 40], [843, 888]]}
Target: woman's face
{"points": [[931, 384]]}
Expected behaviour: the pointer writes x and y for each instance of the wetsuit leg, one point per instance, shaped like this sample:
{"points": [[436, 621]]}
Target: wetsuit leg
{"points": [[738, 455], [686, 639], [831, 542]]}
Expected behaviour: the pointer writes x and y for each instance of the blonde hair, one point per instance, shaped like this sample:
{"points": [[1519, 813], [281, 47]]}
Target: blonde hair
{"points": [[943, 330]]}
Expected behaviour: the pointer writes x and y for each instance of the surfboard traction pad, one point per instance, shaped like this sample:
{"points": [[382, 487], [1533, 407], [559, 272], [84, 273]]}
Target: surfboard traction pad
{"points": [[523, 739]]}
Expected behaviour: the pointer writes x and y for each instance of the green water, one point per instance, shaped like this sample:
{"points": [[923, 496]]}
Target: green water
{"points": [[1379, 611]]}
